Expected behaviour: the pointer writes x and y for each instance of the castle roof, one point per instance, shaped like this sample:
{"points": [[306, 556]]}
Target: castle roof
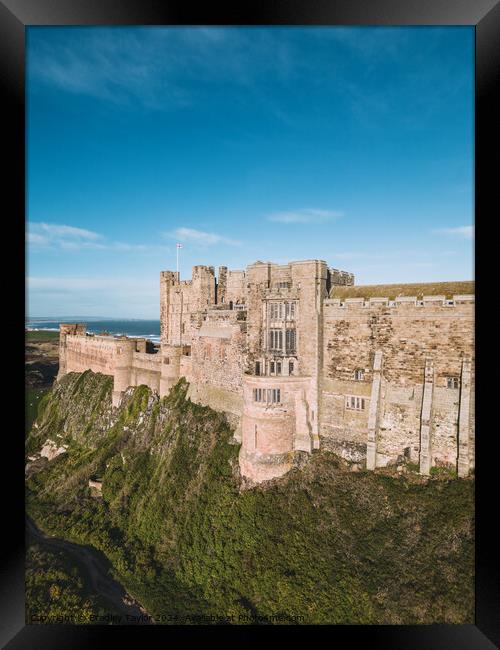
{"points": [[392, 291]]}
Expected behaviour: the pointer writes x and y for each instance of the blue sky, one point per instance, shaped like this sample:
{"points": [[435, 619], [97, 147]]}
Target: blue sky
{"points": [[352, 145]]}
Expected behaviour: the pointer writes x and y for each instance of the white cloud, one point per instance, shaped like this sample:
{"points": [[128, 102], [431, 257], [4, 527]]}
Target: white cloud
{"points": [[306, 215], [42, 236], [154, 67], [193, 236], [463, 232], [50, 235], [61, 231], [35, 239]]}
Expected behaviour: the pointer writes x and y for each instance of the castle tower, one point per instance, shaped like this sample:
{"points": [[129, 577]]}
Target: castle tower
{"points": [[170, 367], [66, 329], [181, 303], [222, 285], [281, 387], [123, 362]]}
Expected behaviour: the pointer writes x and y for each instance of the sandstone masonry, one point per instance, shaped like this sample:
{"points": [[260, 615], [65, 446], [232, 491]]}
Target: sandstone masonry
{"points": [[375, 380]]}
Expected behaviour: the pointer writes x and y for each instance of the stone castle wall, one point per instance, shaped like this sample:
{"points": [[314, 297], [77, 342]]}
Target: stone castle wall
{"points": [[375, 380], [409, 335], [115, 356]]}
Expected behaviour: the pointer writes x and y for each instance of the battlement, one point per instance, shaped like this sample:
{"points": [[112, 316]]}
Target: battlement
{"points": [[341, 278], [72, 328], [399, 302], [393, 291]]}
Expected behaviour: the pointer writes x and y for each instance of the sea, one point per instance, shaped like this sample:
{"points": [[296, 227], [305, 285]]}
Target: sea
{"points": [[134, 327]]}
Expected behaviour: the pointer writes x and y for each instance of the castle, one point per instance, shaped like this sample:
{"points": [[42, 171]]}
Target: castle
{"points": [[298, 361]]}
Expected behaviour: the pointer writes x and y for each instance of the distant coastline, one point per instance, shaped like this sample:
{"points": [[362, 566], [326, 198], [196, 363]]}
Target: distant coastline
{"points": [[149, 329]]}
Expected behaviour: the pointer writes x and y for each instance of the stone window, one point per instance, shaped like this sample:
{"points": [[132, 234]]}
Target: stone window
{"points": [[275, 367], [452, 382], [354, 403], [283, 285], [276, 339], [290, 341], [281, 310], [290, 367], [255, 437], [257, 368], [274, 310], [290, 310], [359, 374], [267, 395]]}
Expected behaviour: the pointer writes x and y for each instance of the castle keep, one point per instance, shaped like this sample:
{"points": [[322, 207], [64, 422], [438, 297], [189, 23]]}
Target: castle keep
{"points": [[300, 361]]}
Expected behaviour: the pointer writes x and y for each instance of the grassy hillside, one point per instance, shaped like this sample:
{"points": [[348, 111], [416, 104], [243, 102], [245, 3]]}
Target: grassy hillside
{"points": [[32, 400], [392, 291], [321, 545], [41, 336]]}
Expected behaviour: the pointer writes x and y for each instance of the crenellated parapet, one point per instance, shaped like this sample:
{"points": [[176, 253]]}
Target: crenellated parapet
{"points": [[399, 302]]}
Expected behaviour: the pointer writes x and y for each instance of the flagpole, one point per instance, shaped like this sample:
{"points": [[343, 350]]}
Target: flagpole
{"points": [[177, 246]]}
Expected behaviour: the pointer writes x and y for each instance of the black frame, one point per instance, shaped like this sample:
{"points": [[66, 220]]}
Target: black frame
{"points": [[485, 16]]}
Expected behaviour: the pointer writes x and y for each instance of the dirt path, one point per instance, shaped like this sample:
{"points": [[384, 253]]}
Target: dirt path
{"points": [[100, 580]]}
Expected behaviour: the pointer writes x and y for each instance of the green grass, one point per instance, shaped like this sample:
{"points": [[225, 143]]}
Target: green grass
{"points": [[41, 336], [443, 471], [392, 291], [32, 401], [322, 543]]}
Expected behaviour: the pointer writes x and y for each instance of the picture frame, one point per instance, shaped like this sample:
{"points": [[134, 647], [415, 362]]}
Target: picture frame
{"points": [[16, 15]]}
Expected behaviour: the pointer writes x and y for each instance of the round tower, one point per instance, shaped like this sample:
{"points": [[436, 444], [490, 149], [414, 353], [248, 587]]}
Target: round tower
{"points": [[170, 367], [122, 367], [268, 427]]}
